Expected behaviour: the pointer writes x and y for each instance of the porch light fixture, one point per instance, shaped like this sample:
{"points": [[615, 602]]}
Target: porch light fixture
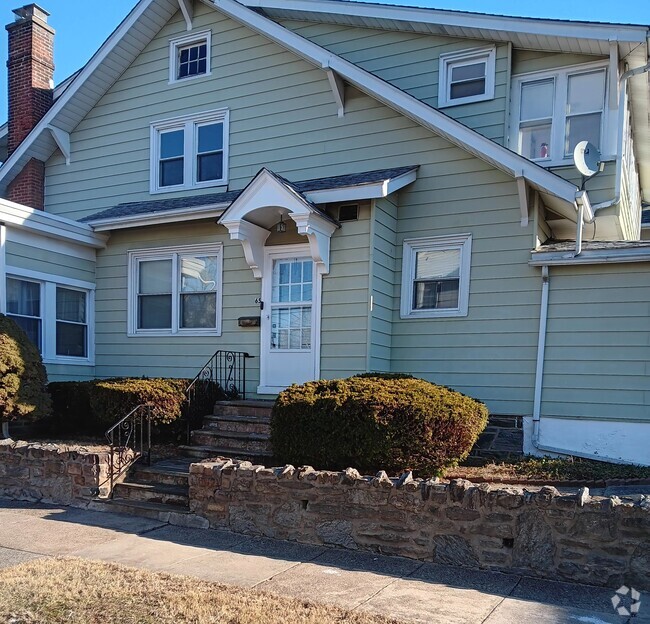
{"points": [[282, 226]]}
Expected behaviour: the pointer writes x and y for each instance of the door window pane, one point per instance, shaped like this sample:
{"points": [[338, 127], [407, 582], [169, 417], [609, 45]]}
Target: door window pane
{"points": [[291, 328], [292, 280]]}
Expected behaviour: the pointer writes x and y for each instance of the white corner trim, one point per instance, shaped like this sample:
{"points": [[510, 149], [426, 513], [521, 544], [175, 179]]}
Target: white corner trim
{"points": [[3, 268], [187, 9], [338, 89], [450, 129], [62, 139], [411, 246], [486, 54], [46, 224]]}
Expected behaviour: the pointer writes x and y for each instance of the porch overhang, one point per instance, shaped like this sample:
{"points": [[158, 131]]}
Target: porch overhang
{"points": [[266, 200]]}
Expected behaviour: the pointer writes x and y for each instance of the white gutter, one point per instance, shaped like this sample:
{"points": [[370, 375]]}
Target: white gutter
{"points": [[539, 379], [621, 136]]}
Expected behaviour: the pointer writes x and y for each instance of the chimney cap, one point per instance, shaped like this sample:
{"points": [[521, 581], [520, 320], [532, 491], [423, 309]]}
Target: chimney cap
{"points": [[30, 11]]}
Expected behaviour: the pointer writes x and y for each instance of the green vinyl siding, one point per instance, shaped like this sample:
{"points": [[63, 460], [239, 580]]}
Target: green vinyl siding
{"points": [[526, 61], [411, 62], [35, 258], [598, 343], [384, 237], [69, 372]]}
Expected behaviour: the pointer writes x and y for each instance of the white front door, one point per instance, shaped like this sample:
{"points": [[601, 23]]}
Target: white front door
{"points": [[290, 331]]}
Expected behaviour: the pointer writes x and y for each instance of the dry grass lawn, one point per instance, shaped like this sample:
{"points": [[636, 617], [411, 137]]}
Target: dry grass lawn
{"points": [[75, 591]]}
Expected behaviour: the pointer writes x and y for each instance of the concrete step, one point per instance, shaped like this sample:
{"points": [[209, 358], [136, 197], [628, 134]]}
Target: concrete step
{"points": [[237, 424], [210, 452], [154, 511], [251, 443], [250, 409], [153, 493]]}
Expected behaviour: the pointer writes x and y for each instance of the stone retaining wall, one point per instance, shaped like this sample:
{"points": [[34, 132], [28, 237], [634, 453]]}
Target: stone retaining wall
{"points": [[52, 473], [535, 531]]}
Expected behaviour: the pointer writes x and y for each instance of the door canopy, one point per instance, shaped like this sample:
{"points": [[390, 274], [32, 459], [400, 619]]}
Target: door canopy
{"points": [[258, 208]]}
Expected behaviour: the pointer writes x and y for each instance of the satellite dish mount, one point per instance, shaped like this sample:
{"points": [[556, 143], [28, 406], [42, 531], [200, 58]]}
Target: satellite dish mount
{"points": [[586, 158]]}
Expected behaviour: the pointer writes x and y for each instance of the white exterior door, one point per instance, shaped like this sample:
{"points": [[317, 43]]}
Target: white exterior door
{"points": [[290, 326]]}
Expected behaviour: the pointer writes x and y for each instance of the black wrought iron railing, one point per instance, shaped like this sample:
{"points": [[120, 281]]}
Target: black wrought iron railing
{"points": [[129, 440], [222, 378]]}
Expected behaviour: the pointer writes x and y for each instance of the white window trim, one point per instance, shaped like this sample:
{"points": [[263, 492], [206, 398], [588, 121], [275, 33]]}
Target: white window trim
{"points": [[189, 124], [166, 253], [466, 57], [560, 76], [462, 242], [48, 284], [181, 42]]}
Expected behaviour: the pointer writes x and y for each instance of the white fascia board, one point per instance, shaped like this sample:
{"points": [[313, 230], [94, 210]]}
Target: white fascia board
{"points": [[595, 256], [158, 218], [500, 23], [85, 73], [455, 132], [54, 226], [376, 190]]}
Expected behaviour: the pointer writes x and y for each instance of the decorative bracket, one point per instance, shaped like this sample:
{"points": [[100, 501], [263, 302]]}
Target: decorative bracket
{"points": [[187, 10], [319, 233], [338, 89], [522, 189], [252, 238], [62, 139]]}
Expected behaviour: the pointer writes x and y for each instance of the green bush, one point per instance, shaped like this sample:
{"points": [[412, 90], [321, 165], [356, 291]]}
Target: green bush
{"points": [[373, 422], [71, 411], [23, 378]]}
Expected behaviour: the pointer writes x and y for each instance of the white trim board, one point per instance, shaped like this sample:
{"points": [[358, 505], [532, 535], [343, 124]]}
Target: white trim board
{"points": [[31, 239]]}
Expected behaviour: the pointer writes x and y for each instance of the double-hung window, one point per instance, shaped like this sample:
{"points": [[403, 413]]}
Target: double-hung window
{"points": [[189, 56], [189, 152], [466, 76], [554, 111], [55, 317], [175, 291], [435, 276]]}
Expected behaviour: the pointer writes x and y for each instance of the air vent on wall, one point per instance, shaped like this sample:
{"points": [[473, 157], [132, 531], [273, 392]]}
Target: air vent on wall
{"points": [[348, 212]]}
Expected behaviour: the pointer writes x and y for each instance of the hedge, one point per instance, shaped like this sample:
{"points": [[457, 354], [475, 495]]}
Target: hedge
{"points": [[23, 378], [91, 407], [373, 422]]}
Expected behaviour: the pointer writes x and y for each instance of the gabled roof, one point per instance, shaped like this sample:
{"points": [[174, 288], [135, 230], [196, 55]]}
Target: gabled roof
{"points": [[367, 185], [148, 17]]}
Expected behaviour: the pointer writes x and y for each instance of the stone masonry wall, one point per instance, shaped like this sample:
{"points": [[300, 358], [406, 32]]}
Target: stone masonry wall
{"points": [[536, 532], [52, 473]]}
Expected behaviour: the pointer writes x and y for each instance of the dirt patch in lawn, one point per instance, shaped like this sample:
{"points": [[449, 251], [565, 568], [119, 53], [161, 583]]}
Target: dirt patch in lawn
{"points": [[547, 470], [75, 591]]}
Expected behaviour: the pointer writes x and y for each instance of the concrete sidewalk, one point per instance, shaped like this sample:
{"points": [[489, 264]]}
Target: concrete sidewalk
{"points": [[401, 588]]}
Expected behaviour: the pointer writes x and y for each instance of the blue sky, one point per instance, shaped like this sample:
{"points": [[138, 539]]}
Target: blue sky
{"points": [[82, 25]]}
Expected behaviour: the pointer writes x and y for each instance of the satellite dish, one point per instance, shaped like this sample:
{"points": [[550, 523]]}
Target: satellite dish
{"points": [[586, 158]]}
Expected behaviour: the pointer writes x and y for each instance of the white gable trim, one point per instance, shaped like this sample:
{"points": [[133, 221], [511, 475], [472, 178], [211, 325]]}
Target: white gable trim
{"points": [[398, 100]]}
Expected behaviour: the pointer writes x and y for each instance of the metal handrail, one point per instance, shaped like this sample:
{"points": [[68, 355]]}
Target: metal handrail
{"points": [[129, 440], [222, 376]]}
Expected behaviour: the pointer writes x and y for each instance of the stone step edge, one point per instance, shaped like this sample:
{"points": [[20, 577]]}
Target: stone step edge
{"points": [[158, 488], [251, 420], [235, 435], [246, 403], [167, 514], [214, 451]]}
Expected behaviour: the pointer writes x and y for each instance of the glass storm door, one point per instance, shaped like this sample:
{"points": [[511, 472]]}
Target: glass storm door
{"points": [[288, 320]]}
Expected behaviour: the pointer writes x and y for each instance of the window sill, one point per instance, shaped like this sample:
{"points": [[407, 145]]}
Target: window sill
{"points": [[470, 100], [73, 361], [433, 314], [179, 81], [175, 189], [180, 334]]}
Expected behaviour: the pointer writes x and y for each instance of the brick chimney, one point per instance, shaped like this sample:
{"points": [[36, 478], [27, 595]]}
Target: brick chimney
{"points": [[31, 72]]}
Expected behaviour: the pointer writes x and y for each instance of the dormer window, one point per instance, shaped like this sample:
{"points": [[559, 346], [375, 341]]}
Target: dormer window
{"points": [[466, 76], [189, 57], [554, 111]]}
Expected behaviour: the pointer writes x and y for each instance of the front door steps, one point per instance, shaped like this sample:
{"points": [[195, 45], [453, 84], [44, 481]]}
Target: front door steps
{"points": [[237, 429], [240, 429]]}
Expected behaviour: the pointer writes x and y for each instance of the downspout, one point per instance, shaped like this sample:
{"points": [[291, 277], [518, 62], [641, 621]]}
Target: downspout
{"points": [[539, 377], [621, 137]]}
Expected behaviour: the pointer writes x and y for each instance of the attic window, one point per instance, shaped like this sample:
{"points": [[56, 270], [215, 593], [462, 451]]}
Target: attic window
{"points": [[189, 57], [466, 76]]}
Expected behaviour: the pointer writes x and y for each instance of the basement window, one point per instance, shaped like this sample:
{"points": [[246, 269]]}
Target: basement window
{"points": [[189, 56]]}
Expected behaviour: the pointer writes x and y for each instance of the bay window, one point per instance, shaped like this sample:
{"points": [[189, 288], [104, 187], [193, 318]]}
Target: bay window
{"points": [[175, 290], [554, 111]]}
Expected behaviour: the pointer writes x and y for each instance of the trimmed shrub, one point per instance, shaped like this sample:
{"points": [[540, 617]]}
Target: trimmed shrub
{"points": [[375, 422], [23, 378], [71, 411]]}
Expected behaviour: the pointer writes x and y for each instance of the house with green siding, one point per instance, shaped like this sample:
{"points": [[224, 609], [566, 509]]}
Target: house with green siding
{"points": [[336, 187]]}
